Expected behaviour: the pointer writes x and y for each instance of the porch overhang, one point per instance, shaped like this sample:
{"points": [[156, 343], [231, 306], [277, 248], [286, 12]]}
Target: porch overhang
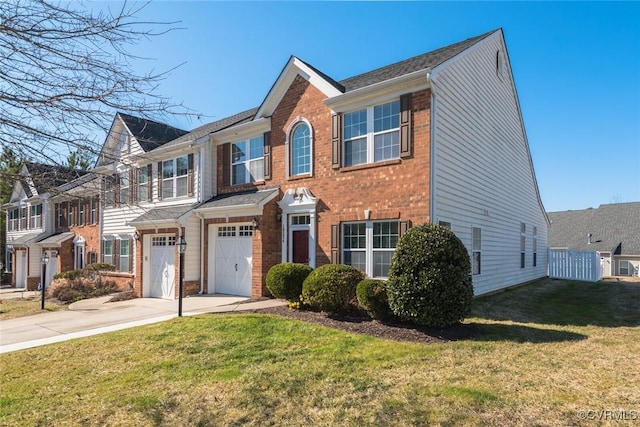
{"points": [[24, 240], [56, 240], [166, 216], [244, 203]]}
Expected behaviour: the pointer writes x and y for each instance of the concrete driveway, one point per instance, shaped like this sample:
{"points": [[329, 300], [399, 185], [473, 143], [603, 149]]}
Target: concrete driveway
{"points": [[96, 316]]}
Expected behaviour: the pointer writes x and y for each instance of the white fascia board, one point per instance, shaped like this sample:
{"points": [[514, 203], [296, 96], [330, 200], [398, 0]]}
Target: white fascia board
{"points": [[230, 211], [379, 92], [294, 68], [105, 169], [186, 147], [236, 210], [242, 131]]}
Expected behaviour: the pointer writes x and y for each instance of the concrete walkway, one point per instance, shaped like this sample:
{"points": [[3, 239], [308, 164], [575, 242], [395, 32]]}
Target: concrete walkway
{"points": [[96, 316]]}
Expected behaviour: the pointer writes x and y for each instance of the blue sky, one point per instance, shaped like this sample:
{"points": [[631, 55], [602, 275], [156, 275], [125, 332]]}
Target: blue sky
{"points": [[576, 68]]}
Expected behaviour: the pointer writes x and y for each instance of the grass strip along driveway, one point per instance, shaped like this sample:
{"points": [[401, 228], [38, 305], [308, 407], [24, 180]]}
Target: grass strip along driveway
{"points": [[550, 353]]}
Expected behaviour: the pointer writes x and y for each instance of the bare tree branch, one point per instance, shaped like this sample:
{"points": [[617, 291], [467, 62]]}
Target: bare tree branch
{"points": [[65, 70]]}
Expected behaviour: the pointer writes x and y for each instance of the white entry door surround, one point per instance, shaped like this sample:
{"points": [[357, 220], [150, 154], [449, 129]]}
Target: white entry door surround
{"points": [[298, 214]]}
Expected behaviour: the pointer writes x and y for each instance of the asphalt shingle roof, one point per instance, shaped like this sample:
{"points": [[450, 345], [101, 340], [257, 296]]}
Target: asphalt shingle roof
{"points": [[162, 214], [218, 125], [45, 177], [425, 61], [243, 198], [150, 134], [611, 225]]}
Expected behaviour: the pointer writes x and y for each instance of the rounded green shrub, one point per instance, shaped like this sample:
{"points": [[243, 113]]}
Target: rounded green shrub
{"points": [[331, 287], [285, 280], [372, 296], [430, 277]]}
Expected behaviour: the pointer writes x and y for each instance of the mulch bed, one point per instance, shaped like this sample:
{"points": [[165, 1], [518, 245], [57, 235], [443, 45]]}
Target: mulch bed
{"points": [[361, 323]]}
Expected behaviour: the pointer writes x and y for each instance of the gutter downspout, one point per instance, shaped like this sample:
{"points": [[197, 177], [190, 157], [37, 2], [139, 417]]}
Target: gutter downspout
{"points": [[432, 144], [199, 215]]}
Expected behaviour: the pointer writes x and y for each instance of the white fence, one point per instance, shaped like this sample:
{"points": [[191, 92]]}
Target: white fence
{"points": [[574, 265]]}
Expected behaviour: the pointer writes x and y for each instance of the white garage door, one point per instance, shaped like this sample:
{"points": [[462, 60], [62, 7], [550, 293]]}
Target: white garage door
{"points": [[233, 257], [163, 273]]}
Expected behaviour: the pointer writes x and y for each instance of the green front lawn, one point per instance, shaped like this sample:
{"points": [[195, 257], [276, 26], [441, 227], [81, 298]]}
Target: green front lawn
{"points": [[10, 308], [546, 352]]}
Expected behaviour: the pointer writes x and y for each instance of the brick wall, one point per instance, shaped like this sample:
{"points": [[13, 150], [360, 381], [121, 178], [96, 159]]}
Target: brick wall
{"points": [[396, 189]]}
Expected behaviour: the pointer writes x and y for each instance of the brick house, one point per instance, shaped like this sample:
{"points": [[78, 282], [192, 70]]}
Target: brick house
{"points": [[336, 171], [33, 223]]}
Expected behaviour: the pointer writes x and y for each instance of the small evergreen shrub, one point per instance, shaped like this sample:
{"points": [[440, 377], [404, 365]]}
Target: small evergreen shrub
{"points": [[331, 287], [100, 266], [430, 277], [285, 280], [372, 297], [69, 275]]}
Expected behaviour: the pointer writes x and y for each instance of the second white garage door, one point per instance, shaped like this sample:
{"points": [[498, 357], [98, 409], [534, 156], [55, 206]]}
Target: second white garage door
{"points": [[233, 257], [163, 272]]}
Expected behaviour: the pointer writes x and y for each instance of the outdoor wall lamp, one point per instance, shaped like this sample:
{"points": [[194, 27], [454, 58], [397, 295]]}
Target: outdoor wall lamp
{"points": [[254, 223]]}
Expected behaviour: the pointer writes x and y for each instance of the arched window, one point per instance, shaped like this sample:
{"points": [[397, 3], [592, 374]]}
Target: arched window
{"points": [[301, 149]]}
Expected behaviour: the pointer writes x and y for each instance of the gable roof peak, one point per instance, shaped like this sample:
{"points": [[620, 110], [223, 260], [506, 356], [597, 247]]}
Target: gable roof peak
{"points": [[150, 134]]}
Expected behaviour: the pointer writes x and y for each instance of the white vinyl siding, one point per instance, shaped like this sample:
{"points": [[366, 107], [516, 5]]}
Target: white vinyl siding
{"points": [[483, 174]]}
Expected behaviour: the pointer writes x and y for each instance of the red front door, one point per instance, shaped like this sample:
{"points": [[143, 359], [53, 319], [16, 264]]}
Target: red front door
{"points": [[300, 246]]}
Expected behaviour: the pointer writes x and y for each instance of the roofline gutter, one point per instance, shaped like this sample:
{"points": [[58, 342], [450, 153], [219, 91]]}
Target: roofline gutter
{"points": [[414, 81]]}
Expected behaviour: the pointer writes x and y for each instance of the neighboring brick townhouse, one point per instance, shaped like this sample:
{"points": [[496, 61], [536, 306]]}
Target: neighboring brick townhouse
{"points": [[49, 211], [327, 171]]}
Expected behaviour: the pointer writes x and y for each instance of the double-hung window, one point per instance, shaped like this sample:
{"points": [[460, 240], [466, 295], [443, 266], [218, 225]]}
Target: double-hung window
{"points": [[94, 210], [247, 161], [372, 134], [81, 212], [71, 208], [35, 220], [109, 194], [125, 188], [175, 174], [60, 209], [14, 215], [107, 252], [124, 258], [535, 246], [624, 268], [369, 246], [523, 244], [143, 184], [476, 249], [23, 218]]}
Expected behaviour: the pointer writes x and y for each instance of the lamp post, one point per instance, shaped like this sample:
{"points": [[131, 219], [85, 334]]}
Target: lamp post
{"points": [[45, 261], [182, 247]]}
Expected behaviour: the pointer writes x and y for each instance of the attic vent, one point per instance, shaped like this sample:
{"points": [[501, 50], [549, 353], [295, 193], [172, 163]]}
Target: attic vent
{"points": [[499, 64]]}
